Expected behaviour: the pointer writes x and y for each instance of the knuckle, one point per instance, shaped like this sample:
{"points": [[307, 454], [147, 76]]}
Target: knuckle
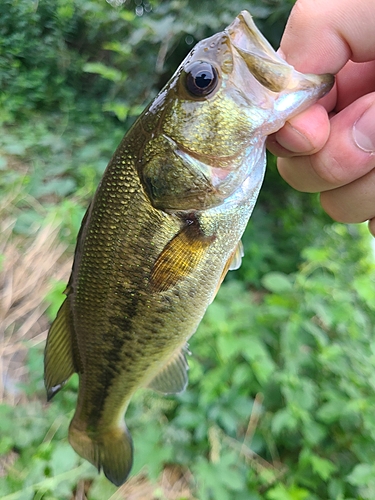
{"points": [[329, 169]]}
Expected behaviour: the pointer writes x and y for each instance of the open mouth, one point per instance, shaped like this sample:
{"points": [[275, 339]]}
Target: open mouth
{"points": [[246, 37], [265, 64]]}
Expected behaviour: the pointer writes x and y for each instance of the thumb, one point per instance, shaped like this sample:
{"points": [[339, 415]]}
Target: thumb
{"points": [[322, 36]]}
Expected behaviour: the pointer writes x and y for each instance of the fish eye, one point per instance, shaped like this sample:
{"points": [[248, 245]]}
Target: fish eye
{"points": [[201, 79]]}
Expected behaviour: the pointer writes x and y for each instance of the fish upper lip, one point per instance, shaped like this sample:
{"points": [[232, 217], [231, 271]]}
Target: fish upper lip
{"points": [[269, 69], [245, 36]]}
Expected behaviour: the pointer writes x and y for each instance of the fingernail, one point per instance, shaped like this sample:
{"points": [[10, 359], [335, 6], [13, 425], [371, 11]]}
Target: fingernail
{"points": [[364, 130], [296, 142]]}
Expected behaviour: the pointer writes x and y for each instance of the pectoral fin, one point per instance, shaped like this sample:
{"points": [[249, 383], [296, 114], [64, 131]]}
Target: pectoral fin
{"points": [[179, 258], [173, 377], [236, 258], [59, 356]]}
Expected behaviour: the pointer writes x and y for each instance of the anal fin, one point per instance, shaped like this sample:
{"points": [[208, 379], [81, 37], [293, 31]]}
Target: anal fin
{"points": [[173, 377], [59, 362]]}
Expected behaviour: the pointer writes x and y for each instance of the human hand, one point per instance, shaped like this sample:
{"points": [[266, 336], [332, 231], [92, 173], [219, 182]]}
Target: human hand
{"points": [[330, 148]]}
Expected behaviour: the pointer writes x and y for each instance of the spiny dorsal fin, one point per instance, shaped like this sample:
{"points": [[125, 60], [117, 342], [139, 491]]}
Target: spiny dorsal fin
{"points": [[79, 248], [179, 257], [59, 362], [173, 377]]}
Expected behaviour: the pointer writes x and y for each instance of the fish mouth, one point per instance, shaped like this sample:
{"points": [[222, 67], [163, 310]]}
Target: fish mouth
{"points": [[271, 71], [246, 37]]}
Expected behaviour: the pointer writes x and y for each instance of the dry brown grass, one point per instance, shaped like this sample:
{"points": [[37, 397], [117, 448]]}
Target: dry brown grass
{"points": [[27, 267], [174, 484]]}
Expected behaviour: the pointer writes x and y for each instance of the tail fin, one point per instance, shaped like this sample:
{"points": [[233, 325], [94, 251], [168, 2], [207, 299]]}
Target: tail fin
{"points": [[111, 451]]}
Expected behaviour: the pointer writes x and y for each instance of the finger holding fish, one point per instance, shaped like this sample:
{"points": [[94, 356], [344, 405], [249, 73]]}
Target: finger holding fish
{"points": [[338, 161]]}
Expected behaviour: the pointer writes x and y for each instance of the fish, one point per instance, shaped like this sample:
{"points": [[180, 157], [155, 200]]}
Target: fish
{"points": [[163, 229]]}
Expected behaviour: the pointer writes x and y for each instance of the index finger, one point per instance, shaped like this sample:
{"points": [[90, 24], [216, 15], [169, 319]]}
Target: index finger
{"points": [[321, 36]]}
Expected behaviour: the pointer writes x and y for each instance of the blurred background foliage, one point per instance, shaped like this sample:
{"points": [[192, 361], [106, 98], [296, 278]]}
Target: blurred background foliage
{"points": [[280, 404]]}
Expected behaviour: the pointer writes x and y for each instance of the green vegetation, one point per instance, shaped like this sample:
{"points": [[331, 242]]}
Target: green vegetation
{"points": [[282, 387]]}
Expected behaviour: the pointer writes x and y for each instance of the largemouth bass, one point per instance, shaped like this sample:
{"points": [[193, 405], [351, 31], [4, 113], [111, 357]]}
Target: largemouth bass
{"points": [[164, 228]]}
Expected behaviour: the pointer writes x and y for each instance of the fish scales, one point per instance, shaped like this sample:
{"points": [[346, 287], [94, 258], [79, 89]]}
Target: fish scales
{"points": [[123, 290], [163, 229]]}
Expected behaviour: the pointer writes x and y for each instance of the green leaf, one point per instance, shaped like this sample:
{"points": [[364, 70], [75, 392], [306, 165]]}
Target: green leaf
{"points": [[283, 420], [314, 432], [6, 444], [63, 458], [101, 489], [332, 410], [323, 467], [218, 479], [55, 297], [106, 72], [120, 109], [152, 450], [365, 287], [229, 347], [277, 282], [362, 475], [261, 362], [280, 492]]}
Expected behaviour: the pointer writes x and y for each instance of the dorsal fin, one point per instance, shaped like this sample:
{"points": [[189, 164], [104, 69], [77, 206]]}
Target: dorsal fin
{"points": [[79, 248], [60, 352], [179, 257], [172, 378]]}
